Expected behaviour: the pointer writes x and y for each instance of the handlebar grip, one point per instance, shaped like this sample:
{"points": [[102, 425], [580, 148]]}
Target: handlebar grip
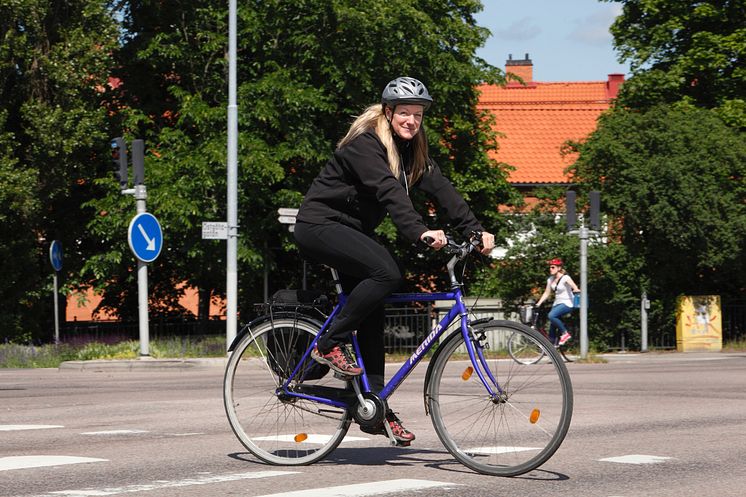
{"points": [[428, 240]]}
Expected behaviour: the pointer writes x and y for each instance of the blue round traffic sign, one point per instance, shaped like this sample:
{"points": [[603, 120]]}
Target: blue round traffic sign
{"points": [[145, 237], [55, 255]]}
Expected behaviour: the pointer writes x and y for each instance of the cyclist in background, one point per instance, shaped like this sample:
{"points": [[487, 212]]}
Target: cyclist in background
{"points": [[381, 159], [563, 287]]}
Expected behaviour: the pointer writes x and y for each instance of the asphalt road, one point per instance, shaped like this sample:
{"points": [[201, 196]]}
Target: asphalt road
{"points": [[643, 425]]}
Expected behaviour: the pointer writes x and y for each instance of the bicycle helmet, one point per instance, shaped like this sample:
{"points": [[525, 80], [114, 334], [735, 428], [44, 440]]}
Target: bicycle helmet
{"points": [[555, 262], [406, 90]]}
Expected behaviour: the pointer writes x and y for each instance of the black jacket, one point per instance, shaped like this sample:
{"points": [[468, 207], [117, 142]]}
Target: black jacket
{"points": [[357, 188]]}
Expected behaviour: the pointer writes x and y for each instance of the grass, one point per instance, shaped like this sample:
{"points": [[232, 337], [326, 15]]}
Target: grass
{"points": [[51, 356], [735, 346]]}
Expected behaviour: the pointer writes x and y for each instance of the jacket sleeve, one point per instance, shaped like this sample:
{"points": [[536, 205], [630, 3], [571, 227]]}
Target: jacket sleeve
{"points": [[445, 195], [366, 158]]}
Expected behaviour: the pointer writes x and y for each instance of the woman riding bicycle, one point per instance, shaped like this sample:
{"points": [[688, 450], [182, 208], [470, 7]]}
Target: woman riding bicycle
{"points": [[381, 159], [563, 287]]}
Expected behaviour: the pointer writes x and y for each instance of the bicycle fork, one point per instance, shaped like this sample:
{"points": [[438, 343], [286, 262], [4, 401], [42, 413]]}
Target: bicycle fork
{"points": [[473, 339]]}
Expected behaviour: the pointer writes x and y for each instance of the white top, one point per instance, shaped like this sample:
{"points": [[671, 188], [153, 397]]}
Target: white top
{"points": [[562, 289]]}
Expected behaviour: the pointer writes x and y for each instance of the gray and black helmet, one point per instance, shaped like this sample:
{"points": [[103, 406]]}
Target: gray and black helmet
{"points": [[406, 91]]}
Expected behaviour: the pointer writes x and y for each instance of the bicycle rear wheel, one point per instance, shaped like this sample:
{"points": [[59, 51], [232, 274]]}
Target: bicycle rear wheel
{"points": [[523, 349], [521, 427], [275, 427]]}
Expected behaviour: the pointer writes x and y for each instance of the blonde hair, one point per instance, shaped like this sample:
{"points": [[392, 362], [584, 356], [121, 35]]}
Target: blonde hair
{"points": [[374, 118]]}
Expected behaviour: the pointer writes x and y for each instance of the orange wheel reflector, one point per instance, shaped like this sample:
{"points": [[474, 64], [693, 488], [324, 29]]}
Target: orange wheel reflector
{"points": [[467, 373], [534, 417], [300, 437]]}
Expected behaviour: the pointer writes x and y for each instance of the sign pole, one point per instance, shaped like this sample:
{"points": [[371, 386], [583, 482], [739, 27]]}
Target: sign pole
{"points": [[584, 232], [55, 257], [142, 283], [56, 312], [584, 235], [231, 287]]}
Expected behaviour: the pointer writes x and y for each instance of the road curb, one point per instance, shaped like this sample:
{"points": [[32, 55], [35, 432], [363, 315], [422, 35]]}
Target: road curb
{"points": [[143, 364]]}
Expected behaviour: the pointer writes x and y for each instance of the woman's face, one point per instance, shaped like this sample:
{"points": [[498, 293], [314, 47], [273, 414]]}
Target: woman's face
{"points": [[406, 120], [553, 269]]}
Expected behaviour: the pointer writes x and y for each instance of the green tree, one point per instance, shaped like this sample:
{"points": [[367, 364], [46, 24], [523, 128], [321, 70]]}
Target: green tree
{"points": [[55, 58], [673, 187], [305, 68], [691, 51]]}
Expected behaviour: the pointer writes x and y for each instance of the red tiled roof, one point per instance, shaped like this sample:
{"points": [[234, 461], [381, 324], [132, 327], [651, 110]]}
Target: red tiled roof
{"points": [[537, 119]]}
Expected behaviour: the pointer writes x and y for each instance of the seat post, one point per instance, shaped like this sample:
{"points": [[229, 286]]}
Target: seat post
{"points": [[335, 279]]}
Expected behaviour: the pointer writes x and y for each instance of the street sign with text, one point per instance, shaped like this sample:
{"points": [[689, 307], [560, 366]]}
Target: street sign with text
{"points": [[214, 230]]}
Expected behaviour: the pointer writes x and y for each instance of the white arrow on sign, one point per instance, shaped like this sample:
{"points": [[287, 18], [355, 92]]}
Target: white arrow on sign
{"points": [[151, 241], [286, 219], [283, 211]]}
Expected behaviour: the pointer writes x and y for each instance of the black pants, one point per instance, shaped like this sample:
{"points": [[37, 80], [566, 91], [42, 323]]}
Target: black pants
{"points": [[368, 274]]}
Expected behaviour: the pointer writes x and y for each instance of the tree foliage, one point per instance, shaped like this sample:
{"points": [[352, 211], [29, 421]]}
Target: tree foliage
{"points": [[305, 69], [673, 186], [55, 58], [691, 51]]}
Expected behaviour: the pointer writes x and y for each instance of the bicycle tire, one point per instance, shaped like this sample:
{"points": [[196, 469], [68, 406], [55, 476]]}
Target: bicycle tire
{"points": [[524, 350], [277, 428], [509, 436]]}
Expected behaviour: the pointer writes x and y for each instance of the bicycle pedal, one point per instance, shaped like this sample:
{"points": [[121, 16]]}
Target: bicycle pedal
{"points": [[343, 377]]}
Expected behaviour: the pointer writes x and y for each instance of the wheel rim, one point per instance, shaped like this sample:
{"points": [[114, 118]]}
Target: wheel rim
{"points": [[279, 429], [515, 432]]}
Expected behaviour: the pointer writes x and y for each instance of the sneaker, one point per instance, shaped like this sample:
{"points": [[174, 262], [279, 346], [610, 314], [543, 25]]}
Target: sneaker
{"points": [[402, 436], [339, 359], [564, 338]]}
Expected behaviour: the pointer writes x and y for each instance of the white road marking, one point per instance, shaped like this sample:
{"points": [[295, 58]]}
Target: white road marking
{"points": [[499, 450], [312, 439], [114, 432], [23, 462], [636, 459], [164, 484], [365, 489], [27, 427]]}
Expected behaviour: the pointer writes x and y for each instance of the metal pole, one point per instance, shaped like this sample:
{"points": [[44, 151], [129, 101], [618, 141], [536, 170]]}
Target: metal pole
{"points": [[56, 311], [232, 194], [583, 232], [142, 283], [644, 323]]}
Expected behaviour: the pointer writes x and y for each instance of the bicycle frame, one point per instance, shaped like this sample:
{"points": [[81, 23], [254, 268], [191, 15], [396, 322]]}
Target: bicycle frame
{"points": [[458, 310]]}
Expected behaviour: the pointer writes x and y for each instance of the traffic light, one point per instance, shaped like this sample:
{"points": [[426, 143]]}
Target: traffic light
{"points": [[138, 161], [119, 156], [595, 201], [570, 207]]}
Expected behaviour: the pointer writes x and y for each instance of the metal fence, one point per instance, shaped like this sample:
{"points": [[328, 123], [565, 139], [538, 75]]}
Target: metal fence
{"points": [[81, 332], [405, 326]]}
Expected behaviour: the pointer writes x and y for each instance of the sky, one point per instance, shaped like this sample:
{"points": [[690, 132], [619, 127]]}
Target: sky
{"points": [[567, 40]]}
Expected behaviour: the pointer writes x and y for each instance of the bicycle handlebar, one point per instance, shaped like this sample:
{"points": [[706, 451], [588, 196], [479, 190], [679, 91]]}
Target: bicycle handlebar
{"points": [[460, 250]]}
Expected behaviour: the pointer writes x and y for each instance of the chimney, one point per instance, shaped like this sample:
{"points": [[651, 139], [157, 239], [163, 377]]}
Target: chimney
{"points": [[523, 68], [613, 84]]}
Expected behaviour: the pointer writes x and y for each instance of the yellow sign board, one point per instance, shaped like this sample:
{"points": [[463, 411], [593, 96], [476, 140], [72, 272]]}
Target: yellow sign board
{"points": [[699, 324]]}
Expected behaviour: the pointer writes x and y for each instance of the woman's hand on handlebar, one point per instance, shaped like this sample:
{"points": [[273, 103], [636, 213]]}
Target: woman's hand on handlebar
{"points": [[434, 238], [488, 243]]}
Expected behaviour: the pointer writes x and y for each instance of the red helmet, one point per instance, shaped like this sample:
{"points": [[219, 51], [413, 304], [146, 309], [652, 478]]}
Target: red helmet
{"points": [[555, 262]]}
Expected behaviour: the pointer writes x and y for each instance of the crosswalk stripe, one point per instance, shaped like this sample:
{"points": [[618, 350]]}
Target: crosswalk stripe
{"points": [[23, 462], [636, 459], [28, 427], [114, 432], [165, 484], [365, 489]]}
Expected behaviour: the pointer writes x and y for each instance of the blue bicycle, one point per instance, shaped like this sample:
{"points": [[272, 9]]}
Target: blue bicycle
{"points": [[493, 414]]}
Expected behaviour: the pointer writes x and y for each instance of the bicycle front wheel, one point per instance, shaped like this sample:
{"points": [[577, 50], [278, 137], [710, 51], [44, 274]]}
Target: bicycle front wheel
{"points": [[518, 428], [275, 427], [523, 349]]}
